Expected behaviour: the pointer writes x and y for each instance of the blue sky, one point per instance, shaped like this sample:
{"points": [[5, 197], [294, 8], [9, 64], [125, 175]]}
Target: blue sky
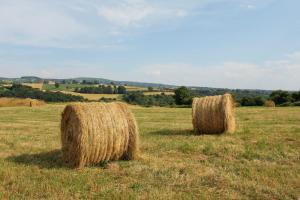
{"points": [[215, 43]]}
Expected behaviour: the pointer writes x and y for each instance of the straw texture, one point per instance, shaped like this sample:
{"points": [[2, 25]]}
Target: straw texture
{"points": [[14, 102], [270, 103], [214, 114], [97, 132]]}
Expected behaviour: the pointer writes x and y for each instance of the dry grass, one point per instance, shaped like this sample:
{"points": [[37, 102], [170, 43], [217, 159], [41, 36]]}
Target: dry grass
{"points": [[98, 132], [14, 102], [158, 93], [135, 88], [214, 114], [34, 85], [260, 161], [95, 97]]}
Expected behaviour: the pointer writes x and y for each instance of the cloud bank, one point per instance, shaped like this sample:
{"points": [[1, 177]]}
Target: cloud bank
{"points": [[274, 74]]}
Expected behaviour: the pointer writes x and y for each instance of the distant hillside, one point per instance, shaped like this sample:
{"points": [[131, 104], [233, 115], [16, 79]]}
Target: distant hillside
{"points": [[198, 90], [88, 79]]}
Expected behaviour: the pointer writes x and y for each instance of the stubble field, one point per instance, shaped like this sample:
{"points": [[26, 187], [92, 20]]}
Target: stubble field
{"points": [[260, 161]]}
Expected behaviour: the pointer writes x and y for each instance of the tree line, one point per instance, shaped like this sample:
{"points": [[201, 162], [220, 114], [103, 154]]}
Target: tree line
{"points": [[138, 98], [184, 97], [102, 89], [20, 91]]}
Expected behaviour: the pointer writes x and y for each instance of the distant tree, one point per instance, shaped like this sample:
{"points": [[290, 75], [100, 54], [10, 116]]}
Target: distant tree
{"points": [[64, 82], [182, 96], [281, 97], [20, 91], [150, 89], [259, 101], [115, 89], [96, 82], [296, 96], [74, 82], [122, 90], [108, 90], [57, 85], [139, 98], [248, 101], [83, 82]]}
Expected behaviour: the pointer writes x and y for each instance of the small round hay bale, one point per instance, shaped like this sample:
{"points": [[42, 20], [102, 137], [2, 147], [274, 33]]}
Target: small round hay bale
{"points": [[35, 102], [270, 103], [214, 114], [96, 132]]}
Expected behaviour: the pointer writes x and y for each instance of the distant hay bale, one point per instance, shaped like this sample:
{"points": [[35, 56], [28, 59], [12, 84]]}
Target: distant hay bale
{"points": [[214, 114], [237, 104], [96, 132], [35, 102], [15, 102], [270, 103]]}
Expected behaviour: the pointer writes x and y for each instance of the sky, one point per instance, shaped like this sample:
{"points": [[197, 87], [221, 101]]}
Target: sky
{"points": [[246, 44]]}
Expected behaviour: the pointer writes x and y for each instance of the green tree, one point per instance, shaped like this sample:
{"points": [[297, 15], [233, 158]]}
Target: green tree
{"points": [[259, 101], [182, 96], [121, 90], [56, 85], [296, 96], [281, 97], [248, 101], [150, 89]]}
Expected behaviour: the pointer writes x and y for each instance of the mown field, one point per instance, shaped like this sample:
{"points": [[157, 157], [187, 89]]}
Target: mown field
{"points": [[72, 87], [260, 161], [95, 97]]}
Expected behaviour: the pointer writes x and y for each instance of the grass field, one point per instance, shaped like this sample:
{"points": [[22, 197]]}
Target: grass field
{"points": [[95, 97], [66, 87], [158, 93], [260, 161], [72, 87], [34, 85]]}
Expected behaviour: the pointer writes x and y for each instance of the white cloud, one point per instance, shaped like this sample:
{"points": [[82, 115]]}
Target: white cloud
{"points": [[77, 23], [281, 74], [126, 13], [248, 6], [35, 23], [276, 74]]}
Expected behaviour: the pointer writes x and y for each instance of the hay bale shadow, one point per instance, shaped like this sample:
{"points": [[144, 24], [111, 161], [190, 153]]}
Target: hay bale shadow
{"points": [[168, 132], [186, 132], [48, 160]]}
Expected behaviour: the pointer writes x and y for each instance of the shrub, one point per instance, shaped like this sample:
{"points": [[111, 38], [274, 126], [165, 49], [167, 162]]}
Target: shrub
{"points": [[183, 96], [104, 99], [102, 89], [252, 101], [280, 97], [286, 104], [139, 98], [297, 103]]}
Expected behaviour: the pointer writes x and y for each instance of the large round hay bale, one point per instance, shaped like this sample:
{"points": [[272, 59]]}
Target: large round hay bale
{"points": [[96, 132], [214, 114], [270, 103]]}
